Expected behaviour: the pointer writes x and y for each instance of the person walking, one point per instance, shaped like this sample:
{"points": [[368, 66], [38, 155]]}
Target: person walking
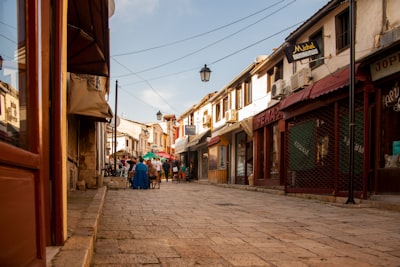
{"points": [[166, 168], [140, 178]]}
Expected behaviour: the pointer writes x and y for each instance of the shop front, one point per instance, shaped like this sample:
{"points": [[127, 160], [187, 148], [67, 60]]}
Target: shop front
{"points": [[316, 145], [267, 147], [217, 159], [385, 74], [198, 159]]}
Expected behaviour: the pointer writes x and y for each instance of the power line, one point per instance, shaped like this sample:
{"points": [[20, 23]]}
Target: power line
{"points": [[197, 35], [148, 84], [211, 44], [218, 60]]}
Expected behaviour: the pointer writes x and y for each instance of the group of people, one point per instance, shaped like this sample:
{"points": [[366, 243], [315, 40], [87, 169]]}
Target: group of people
{"points": [[148, 173]]}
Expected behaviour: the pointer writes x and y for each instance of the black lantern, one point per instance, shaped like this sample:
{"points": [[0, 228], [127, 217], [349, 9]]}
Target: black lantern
{"points": [[205, 73], [1, 62], [159, 115]]}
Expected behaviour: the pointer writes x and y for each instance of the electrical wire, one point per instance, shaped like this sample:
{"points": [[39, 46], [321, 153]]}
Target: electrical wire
{"points": [[148, 84], [213, 43], [197, 35]]}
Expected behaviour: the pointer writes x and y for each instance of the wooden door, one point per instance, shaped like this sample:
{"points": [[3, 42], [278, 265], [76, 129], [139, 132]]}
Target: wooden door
{"points": [[22, 241]]}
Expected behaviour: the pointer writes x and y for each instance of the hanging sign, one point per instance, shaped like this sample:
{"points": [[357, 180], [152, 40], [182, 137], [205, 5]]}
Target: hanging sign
{"points": [[302, 50], [190, 129]]}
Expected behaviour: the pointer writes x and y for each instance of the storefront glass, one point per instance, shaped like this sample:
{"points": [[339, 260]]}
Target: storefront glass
{"points": [[13, 74]]}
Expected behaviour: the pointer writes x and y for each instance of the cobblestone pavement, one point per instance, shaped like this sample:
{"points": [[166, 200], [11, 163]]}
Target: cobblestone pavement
{"points": [[194, 224]]}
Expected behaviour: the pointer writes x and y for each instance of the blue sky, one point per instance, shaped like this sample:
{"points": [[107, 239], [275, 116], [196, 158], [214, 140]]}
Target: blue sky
{"points": [[159, 46]]}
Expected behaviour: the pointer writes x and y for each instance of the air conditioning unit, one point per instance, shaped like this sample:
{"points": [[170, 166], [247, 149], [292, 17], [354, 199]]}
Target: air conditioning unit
{"points": [[278, 89], [231, 115], [300, 79], [206, 120]]}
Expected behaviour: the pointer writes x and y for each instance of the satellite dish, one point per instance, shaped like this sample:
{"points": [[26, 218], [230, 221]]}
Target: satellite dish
{"points": [[112, 123]]}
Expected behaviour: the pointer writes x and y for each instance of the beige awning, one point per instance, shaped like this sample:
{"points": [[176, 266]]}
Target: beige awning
{"points": [[86, 100], [246, 125], [194, 140]]}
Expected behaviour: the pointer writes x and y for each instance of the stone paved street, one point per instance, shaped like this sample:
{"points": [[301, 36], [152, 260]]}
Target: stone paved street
{"points": [[195, 224]]}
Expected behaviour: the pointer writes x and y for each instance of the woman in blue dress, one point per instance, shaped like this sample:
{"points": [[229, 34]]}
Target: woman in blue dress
{"points": [[140, 179]]}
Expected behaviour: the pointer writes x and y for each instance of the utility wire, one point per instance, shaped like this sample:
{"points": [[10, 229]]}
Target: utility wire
{"points": [[213, 43], [197, 35], [218, 60], [140, 77]]}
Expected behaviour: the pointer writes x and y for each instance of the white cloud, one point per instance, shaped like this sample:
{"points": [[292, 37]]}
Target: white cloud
{"points": [[133, 9]]}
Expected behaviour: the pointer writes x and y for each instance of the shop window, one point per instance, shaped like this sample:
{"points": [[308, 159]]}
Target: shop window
{"points": [[317, 60], [342, 31], [274, 151], [13, 75]]}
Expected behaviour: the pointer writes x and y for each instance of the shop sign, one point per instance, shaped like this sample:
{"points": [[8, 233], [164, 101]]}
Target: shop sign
{"points": [[392, 99], [302, 50], [385, 66], [190, 129], [268, 116]]}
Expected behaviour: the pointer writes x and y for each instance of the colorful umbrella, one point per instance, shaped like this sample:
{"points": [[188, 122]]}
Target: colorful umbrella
{"points": [[149, 155], [164, 155]]}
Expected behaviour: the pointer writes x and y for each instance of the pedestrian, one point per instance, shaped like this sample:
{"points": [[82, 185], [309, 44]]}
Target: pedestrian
{"points": [[182, 172], [158, 165], [152, 174], [140, 178], [166, 168], [175, 170]]}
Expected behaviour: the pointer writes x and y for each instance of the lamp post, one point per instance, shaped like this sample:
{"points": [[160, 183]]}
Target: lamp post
{"points": [[205, 73], [1, 62], [159, 115]]}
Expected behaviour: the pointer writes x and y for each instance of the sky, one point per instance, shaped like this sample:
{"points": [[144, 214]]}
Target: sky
{"points": [[158, 47]]}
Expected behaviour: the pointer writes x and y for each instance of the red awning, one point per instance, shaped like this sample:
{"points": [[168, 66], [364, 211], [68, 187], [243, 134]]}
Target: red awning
{"points": [[295, 98], [330, 83], [335, 81], [214, 140]]}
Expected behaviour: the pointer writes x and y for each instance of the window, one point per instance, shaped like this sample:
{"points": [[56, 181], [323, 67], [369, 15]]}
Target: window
{"points": [[248, 93], [317, 60], [13, 75], [238, 98], [218, 112], [274, 74], [224, 106], [342, 22]]}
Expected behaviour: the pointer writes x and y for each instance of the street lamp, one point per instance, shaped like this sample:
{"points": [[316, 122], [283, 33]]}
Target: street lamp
{"points": [[1, 62], [159, 115], [205, 73]]}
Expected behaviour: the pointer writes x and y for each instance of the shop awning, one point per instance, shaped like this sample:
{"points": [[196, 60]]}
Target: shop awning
{"points": [[329, 84], [86, 100], [294, 98], [335, 81], [181, 145], [214, 140], [246, 125], [230, 128], [199, 138], [88, 38]]}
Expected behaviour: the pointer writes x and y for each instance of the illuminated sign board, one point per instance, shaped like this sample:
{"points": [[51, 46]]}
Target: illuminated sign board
{"points": [[302, 50]]}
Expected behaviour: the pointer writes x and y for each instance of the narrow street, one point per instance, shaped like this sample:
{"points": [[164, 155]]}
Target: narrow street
{"points": [[192, 224]]}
